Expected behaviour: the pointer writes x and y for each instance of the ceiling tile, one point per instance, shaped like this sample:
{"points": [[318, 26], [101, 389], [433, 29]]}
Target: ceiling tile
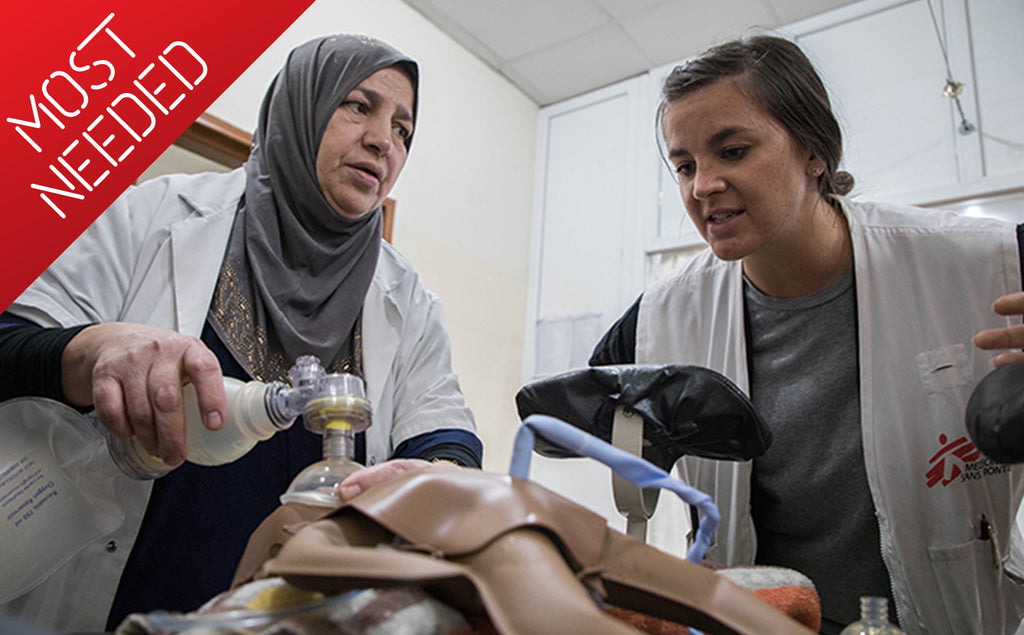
{"points": [[515, 28], [675, 30], [619, 8], [525, 84], [790, 11], [555, 49], [595, 59]]}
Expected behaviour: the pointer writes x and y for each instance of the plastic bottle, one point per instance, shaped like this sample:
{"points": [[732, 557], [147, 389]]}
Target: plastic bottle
{"points": [[874, 619], [255, 412], [338, 411]]}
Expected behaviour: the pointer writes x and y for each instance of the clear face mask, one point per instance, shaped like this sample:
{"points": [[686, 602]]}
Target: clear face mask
{"points": [[338, 411]]}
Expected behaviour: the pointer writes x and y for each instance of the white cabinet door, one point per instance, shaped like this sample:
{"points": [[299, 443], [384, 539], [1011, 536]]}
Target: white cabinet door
{"points": [[885, 65], [586, 227], [670, 237]]}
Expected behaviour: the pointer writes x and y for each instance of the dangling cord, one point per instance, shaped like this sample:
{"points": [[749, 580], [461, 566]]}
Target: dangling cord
{"points": [[953, 88]]}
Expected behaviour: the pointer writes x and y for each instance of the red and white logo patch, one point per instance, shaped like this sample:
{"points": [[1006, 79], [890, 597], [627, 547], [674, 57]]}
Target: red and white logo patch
{"points": [[960, 460]]}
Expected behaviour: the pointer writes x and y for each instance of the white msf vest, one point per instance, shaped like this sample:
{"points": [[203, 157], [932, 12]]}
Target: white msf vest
{"points": [[925, 283]]}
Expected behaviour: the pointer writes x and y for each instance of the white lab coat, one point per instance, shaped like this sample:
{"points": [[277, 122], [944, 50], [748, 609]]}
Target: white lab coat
{"points": [[154, 258], [925, 282]]}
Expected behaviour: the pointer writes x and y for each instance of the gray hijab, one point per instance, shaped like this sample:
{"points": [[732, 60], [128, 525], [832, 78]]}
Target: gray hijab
{"points": [[302, 269]]}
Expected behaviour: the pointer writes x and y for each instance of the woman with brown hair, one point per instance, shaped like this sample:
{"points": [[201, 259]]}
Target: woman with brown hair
{"points": [[850, 324]]}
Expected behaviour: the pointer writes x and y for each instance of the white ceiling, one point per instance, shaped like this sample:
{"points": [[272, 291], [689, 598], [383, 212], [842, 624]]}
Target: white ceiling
{"points": [[555, 49]]}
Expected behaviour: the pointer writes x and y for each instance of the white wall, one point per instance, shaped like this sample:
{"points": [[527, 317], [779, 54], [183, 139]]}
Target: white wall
{"points": [[463, 202]]}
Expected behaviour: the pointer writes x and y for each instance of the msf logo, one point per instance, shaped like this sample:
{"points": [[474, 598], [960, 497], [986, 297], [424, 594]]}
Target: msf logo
{"points": [[953, 461]]}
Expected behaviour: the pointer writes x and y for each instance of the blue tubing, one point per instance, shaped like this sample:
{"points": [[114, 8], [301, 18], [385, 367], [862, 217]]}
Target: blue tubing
{"points": [[631, 467]]}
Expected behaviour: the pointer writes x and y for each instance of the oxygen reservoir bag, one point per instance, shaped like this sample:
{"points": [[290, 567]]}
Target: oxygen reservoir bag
{"points": [[56, 490]]}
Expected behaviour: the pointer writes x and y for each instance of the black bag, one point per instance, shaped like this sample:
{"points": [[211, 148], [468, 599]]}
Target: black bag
{"points": [[687, 410]]}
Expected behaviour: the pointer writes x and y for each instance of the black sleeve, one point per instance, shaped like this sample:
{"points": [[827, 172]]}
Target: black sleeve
{"points": [[30, 358], [454, 452], [444, 444], [1020, 251], [618, 345]]}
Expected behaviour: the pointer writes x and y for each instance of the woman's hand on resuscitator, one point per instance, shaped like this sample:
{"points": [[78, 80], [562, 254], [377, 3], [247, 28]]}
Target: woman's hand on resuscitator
{"points": [[132, 375]]}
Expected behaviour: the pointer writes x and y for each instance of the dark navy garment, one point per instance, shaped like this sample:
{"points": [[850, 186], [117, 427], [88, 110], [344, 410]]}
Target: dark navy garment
{"points": [[455, 444]]}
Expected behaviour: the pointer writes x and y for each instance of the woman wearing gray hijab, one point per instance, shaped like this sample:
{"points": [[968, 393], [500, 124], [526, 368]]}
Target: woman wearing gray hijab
{"points": [[190, 277]]}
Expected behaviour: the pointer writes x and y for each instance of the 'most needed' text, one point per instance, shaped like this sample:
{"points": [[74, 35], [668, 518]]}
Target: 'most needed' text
{"points": [[83, 156]]}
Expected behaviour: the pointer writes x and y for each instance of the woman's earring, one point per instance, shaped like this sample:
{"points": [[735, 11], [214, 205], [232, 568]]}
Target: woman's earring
{"points": [[817, 171]]}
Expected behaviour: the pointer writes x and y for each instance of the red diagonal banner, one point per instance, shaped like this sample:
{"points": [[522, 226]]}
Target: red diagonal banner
{"points": [[93, 92]]}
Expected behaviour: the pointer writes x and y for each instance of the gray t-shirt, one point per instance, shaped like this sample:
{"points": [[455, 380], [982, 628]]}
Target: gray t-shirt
{"points": [[811, 504]]}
